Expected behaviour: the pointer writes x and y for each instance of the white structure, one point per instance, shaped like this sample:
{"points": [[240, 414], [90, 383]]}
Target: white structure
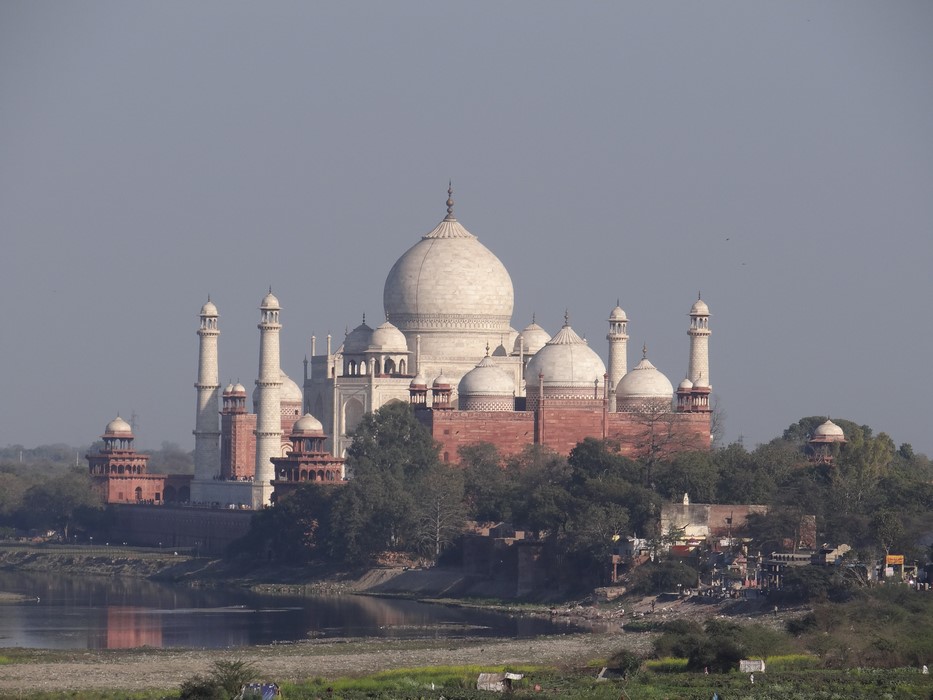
{"points": [[207, 423], [698, 369], [268, 412], [644, 389], [618, 351]]}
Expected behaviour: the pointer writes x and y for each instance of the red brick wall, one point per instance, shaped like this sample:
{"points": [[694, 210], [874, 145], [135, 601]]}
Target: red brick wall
{"points": [[564, 427]]}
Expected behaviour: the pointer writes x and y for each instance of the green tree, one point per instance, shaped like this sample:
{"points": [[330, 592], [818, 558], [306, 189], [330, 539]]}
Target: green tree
{"points": [[488, 488], [441, 510], [59, 503], [888, 529]]}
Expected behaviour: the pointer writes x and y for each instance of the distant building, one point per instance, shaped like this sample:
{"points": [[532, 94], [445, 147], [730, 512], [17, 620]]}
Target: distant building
{"points": [[120, 474]]}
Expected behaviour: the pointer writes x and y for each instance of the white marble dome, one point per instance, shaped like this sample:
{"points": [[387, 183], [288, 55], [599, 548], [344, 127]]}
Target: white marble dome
{"points": [[644, 388], [453, 291], [209, 309], [239, 389], [442, 381], [358, 340], [289, 392], [486, 379], [566, 361], [617, 314], [388, 338], [685, 385], [118, 426], [270, 302], [307, 424], [533, 337], [699, 308], [829, 432]]}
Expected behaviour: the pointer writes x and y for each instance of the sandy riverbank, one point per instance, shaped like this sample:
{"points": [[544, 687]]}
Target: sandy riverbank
{"points": [[167, 669]]}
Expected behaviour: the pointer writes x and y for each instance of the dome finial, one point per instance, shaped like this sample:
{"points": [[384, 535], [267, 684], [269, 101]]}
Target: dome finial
{"points": [[487, 348], [364, 318], [699, 295], [566, 317], [533, 317], [644, 351], [450, 201]]}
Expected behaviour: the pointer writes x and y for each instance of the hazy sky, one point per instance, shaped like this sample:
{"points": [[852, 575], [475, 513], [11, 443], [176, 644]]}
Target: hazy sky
{"points": [[776, 156]]}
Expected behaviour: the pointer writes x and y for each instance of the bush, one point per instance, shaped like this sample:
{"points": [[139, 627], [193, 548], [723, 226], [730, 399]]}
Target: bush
{"points": [[224, 681]]}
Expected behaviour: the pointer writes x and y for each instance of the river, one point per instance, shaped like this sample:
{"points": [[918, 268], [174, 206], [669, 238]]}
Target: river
{"points": [[113, 613]]}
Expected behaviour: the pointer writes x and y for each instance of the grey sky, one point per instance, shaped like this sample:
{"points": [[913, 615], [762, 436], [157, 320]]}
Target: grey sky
{"points": [[776, 156]]}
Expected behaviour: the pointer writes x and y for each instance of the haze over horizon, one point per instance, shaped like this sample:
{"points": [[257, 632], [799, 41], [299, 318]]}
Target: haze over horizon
{"points": [[777, 157]]}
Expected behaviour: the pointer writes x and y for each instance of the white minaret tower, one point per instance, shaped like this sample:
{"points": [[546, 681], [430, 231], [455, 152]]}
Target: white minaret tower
{"points": [[618, 351], [207, 424], [268, 412], [698, 369]]}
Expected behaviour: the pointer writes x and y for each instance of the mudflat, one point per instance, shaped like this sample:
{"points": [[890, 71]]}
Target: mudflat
{"points": [[140, 669]]}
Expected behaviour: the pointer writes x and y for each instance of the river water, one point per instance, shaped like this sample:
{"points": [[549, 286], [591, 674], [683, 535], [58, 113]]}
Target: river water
{"points": [[112, 613]]}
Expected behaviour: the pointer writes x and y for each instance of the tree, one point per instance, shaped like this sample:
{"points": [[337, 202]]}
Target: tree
{"points": [[441, 510], [59, 503], [888, 529], [390, 456], [693, 473], [488, 488]]}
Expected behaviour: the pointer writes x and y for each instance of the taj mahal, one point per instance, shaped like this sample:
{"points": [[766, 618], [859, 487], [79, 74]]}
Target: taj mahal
{"points": [[448, 347]]}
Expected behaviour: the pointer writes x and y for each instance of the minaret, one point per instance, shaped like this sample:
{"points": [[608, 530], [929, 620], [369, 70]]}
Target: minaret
{"points": [[698, 369], [618, 351], [207, 424], [268, 412]]}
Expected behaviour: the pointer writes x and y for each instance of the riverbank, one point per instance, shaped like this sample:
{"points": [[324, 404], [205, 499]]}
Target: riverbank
{"points": [[142, 669]]}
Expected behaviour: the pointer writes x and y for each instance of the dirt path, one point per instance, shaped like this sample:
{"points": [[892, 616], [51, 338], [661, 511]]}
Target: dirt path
{"points": [[137, 670]]}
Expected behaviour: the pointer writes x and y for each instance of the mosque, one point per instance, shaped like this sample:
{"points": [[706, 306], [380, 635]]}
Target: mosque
{"points": [[447, 346]]}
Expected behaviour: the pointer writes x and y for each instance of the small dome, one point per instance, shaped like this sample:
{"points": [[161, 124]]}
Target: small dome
{"points": [[228, 390], [209, 309], [290, 390], [699, 308], [644, 388], [270, 302], [829, 432], [358, 340], [388, 338], [500, 351], [533, 338], [118, 426], [419, 381], [566, 361], [617, 314], [239, 389], [486, 379], [442, 381], [307, 424], [685, 385]]}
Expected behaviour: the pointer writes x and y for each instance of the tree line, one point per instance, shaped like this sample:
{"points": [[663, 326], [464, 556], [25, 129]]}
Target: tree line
{"points": [[402, 499]]}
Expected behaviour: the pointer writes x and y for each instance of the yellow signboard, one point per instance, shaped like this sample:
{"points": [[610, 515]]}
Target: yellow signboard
{"points": [[894, 560]]}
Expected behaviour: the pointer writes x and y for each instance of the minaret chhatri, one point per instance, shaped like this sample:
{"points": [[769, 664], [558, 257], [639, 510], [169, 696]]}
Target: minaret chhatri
{"points": [[207, 423], [268, 412], [698, 369], [618, 351]]}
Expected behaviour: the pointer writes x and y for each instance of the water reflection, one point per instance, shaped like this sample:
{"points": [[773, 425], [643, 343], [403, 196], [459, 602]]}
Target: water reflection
{"points": [[112, 613]]}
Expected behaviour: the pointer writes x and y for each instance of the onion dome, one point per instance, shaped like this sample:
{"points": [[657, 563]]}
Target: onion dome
{"points": [[828, 432], [420, 381], [307, 425], [118, 426], [486, 379], [500, 351], [270, 302], [239, 389], [644, 388], [290, 390], [442, 381], [617, 314], [358, 340], [388, 338], [228, 389], [566, 362], [685, 385], [209, 309], [532, 338], [449, 283], [699, 308]]}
